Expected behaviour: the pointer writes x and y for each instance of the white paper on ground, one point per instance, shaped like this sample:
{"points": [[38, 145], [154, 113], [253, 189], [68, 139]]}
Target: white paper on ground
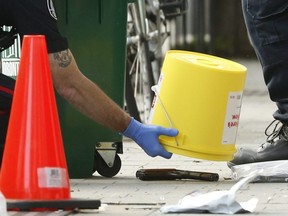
{"points": [[219, 202], [277, 169]]}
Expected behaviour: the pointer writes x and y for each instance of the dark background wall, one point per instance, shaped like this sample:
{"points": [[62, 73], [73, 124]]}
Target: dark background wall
{"points": [[217, 27]]}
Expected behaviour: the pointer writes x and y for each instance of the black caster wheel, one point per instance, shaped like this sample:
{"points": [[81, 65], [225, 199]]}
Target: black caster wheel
{"points": [[103, 169]]}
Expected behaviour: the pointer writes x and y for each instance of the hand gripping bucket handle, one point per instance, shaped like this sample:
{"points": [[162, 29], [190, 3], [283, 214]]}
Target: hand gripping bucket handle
{"points": [[155, 90]]}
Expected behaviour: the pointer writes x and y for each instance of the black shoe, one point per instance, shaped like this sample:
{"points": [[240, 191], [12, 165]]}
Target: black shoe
{"points": [[275, 148]]}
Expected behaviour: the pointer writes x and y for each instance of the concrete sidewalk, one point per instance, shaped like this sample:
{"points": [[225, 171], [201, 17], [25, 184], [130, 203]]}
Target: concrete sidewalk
{"points": [[125, 195]]}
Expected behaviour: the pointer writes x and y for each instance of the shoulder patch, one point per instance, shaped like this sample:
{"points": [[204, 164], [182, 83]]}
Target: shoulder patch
{"points": [[51, 9]]}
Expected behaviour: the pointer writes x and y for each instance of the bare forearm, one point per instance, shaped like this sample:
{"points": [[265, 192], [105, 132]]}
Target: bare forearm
{"points": [[94, 103], [83, 94]]}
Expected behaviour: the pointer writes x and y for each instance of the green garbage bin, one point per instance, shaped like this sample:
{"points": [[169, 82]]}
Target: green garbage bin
{"points": [[96, 32]]}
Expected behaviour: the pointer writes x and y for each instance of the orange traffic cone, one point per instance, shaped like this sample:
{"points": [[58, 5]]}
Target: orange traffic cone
{"points": [[34, 164]]}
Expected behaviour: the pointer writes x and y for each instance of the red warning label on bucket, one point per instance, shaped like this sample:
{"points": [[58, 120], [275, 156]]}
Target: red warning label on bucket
{"points": [[232, 117]]}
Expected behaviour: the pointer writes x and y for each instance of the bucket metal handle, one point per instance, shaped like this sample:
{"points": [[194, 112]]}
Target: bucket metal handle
{"points": [[155, 90]]}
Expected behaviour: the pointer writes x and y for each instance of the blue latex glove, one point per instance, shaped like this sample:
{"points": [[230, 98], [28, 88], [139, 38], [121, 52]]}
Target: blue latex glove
{"points": [[146, 136]]}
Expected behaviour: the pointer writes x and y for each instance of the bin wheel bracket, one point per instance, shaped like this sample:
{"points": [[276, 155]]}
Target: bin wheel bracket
{"points": [[107, 163]]}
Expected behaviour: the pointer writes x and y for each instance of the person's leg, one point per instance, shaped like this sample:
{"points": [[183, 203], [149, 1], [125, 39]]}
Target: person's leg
{"points": [[266, 22], [7, 85]]}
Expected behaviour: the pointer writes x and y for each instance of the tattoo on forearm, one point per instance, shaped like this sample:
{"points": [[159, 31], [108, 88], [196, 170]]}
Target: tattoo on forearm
{"points": [[63, 58]]}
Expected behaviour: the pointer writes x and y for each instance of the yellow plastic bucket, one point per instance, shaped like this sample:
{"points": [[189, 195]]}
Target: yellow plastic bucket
{"points": [[201, 96]]}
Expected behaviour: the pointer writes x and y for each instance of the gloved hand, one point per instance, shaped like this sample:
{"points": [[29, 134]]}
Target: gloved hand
{"points": [[146, 136]]}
